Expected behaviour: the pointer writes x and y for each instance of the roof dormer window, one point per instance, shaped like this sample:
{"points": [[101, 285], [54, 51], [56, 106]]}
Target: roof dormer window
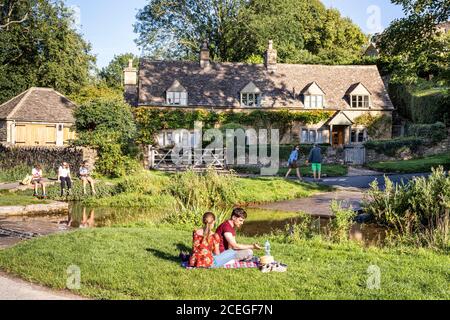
{"points": [[313, 96], [360, 96], [251, 96], [176, 95]]}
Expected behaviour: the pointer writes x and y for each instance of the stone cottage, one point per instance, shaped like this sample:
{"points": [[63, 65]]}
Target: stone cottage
{"points": [[37, 117], [348, 91]]}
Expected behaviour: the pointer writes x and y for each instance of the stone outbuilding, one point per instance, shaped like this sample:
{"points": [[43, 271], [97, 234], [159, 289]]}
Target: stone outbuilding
{"points": [[37, 117]]}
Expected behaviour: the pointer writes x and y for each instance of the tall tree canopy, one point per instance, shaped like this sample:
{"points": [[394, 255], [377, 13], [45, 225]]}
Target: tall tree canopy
{"points": [[414, 42], [238, 30], [39, 47], [112, 74]]}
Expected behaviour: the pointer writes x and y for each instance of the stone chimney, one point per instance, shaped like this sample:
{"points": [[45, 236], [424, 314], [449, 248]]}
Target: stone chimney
{"points": [[130, 83], [204, 56], [270, 60]]}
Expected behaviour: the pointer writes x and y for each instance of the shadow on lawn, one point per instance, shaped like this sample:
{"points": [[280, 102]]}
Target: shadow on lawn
{"points": [[181, 247]]}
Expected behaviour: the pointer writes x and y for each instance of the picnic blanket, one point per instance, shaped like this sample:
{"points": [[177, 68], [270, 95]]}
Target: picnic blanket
{"points": [[253, 264]]}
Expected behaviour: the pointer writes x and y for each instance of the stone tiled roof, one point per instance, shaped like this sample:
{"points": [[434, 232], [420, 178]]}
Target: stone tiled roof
{"points": [[220, 85], [40, 105]]}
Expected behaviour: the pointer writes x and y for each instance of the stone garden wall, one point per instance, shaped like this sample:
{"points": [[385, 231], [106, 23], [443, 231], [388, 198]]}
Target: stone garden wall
{"points": [[49, 157], [423, 151]]}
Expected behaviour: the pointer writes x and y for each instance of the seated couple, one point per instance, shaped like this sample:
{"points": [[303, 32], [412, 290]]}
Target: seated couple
{"points": [[214, 250]]}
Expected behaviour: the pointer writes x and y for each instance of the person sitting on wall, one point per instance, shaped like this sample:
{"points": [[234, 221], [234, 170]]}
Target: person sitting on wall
{"points": [[86, 178], [37, 179], [65, 178], [228, 246]]}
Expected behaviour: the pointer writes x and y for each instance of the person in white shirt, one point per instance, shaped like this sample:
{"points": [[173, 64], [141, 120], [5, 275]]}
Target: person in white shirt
{"points": [[65, 178], [86, 178], [37, 179]]}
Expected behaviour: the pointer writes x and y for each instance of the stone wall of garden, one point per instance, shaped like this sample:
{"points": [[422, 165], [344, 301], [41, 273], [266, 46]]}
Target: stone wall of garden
{"points": [[423, 151], [48, 157]]}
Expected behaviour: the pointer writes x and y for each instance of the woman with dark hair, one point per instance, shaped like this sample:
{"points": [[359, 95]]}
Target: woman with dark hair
{"points": [[293, 162], [205, 243]]}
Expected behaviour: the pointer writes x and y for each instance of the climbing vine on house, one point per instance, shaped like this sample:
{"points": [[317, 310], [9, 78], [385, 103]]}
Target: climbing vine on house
{"points": [[151, 121], [377, 126]]}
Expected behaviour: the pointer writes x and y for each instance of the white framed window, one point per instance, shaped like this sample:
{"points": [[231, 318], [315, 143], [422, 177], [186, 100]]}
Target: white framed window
{"points": [[314, 101], [358, 136], [177, 98], [312, 136], [359, 101], [251, 99]]}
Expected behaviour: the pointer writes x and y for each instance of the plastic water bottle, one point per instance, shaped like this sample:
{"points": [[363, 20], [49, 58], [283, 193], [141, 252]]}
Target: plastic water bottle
{"points": [[267, 248]]}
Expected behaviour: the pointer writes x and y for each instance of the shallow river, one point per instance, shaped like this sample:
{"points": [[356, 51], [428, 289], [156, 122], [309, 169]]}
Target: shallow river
{"points": [[259, 222]]}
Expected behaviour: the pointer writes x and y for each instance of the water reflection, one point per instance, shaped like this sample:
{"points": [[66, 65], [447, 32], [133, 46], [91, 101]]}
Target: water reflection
{"points": [[86, 221]]}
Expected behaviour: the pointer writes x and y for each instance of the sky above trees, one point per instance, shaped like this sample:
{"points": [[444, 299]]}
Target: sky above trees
{"points": [[108, 25]]}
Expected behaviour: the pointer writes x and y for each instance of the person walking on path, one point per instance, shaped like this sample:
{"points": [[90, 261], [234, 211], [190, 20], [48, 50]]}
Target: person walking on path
{"points": [[37, 179], [293, 162], [65, 178], [86, 178], [315, 159]]}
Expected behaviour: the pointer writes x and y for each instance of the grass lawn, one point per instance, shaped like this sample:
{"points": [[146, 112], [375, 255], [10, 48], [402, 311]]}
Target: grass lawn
{"points": [[413, 166], [142, 263], [329, 170], [16, 199]]}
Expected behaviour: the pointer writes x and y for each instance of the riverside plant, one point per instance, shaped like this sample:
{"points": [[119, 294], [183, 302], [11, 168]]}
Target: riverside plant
{"points": [[417, 211], [339, 227]]}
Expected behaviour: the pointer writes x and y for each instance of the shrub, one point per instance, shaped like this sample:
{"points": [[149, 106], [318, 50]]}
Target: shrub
{"points": [[144, 183], [193, 190], [418, 209], [15, 174], [340, 225], [392, 147], [433, 132], [301, 230]]}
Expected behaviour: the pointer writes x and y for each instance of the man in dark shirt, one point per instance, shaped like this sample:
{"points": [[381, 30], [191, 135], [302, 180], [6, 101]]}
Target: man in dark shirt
{"points": [[315, 158], [228, 245]]}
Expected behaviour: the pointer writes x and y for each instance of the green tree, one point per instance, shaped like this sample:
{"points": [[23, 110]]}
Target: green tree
{"points": [[304, 31], [172, 28], [112, 74], [414, 43], [108, 126], [39, 47]]}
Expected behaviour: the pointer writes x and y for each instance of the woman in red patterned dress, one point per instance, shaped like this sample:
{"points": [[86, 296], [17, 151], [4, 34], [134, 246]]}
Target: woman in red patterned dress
{"points": [[205, 243]]}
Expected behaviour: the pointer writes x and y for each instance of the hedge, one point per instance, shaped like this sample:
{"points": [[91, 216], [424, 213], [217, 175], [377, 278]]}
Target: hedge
{"points": [[421, 108], [390, 147], [432, 132]]}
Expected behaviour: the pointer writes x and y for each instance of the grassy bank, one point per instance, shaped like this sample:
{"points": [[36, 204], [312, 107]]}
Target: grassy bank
{"points": [[156, 189], [328, 170], [13, 199], [142, 263], [413, 166]]}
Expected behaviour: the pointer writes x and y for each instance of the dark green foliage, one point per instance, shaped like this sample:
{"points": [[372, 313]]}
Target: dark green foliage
{"points": [[418, 210], [108, 126], [414, 45], [433, 132], [112, 74], [304, 31], [42, 49], [390, 147], [427, 105]]}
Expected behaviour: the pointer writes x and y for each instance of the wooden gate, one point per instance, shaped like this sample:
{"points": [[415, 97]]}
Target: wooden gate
{"points": [[162, 159], [355, 155]]}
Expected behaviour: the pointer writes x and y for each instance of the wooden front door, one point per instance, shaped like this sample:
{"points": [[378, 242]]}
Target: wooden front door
{"points": [[338, 136]]}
